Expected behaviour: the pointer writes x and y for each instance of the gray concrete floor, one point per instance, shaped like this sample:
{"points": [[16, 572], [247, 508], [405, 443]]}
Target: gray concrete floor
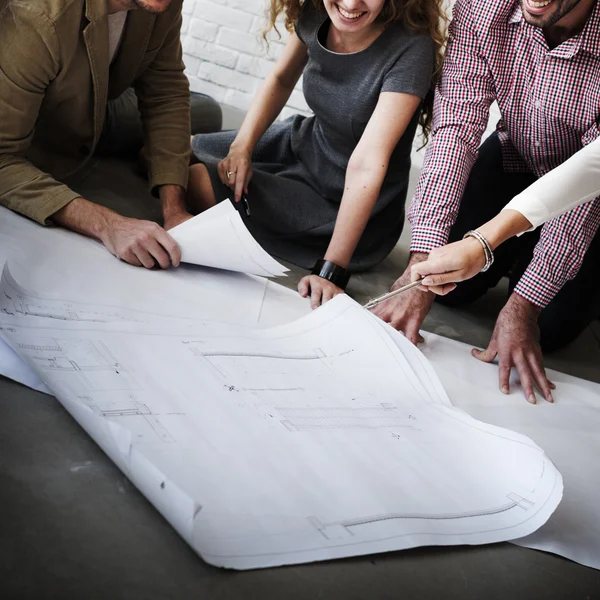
{"points": [[72, 526]]}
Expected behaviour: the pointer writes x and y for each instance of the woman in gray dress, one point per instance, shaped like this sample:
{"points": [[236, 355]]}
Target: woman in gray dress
{"points": [[327, 192]]}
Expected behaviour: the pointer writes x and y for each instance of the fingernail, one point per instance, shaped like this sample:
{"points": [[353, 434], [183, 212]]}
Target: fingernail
{"points": [[531, 398], [550, 398], [504, 390], [427, 281]]}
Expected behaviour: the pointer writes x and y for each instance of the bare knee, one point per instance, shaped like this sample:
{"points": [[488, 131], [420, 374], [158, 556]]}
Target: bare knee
{"points": [[200, 193]]}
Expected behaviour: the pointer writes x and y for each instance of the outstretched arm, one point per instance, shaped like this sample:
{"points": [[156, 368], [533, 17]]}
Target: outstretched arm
{"points": [[574, 182], [267, 104], [365, 173]]}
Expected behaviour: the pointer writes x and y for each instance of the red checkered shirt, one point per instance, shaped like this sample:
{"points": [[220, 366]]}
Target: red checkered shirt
{"points": [[549, 101]]}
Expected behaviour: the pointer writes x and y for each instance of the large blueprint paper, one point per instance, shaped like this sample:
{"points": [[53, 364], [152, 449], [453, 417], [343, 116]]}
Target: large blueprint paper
{"points": [[569, 431], [53, 259], [304, 442], [218, 238]]}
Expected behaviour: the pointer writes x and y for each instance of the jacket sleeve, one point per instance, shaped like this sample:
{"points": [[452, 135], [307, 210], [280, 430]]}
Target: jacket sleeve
{"points": [[29, 61], [164, 103]]}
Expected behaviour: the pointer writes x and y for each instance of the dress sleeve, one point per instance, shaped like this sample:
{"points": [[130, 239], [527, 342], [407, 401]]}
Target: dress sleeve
{"points": [[305, 23], [413, 69]]}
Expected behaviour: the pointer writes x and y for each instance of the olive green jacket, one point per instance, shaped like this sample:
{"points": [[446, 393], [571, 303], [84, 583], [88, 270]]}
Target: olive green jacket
{"points": [[55, 81]]}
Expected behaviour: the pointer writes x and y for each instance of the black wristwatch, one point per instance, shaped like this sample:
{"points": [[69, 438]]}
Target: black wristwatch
{"points": [[332, 272]]}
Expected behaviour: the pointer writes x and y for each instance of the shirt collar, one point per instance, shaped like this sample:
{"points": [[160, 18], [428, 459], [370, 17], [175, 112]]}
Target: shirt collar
{"points": [[590, 36], [588, 39], [517, 14]]}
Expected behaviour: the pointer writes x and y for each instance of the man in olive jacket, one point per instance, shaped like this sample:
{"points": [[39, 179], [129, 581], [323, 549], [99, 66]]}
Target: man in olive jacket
{"points": [[61, 61]]}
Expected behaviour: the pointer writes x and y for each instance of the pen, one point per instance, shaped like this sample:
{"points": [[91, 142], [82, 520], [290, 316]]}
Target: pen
{"points": [[388, 295]]}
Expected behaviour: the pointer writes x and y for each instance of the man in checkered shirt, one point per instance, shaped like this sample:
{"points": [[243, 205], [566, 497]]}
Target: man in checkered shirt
{"points": [[540, 60]]}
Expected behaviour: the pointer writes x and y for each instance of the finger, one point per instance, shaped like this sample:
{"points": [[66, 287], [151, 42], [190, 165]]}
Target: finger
{"points": [[539, 374], [441, 279], [504, 368], [440, 290], [144, 257], [412, 333], [159, 254], [487, 355], [240, 182], [315, 297], [420, 270], [170, 245], [327, 296], [526, 378], [420, 339], [303, 287], [552, 385], [130, 258], [222, 168]]}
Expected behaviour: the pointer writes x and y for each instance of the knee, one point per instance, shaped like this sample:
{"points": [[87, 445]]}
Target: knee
{"points": [[558, 329], [206, 114], [462, 295]]}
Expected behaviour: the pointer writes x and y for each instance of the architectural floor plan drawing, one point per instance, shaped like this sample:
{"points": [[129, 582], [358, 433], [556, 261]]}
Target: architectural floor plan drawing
{"points": [[322, 438]]}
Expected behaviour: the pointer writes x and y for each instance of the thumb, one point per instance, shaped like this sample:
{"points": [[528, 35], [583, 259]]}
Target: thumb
{"points": [[487, 355], [303, 287], [420, 270], [441, 279]]}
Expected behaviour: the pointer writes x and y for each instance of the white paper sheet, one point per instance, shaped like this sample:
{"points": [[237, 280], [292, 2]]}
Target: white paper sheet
{"points": [[218, 238], [13, 367], [309, 441], [569, 431], [49, 259]]}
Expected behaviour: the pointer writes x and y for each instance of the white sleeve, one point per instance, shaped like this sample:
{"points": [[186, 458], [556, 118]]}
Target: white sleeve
{"points": [[574, 182]]}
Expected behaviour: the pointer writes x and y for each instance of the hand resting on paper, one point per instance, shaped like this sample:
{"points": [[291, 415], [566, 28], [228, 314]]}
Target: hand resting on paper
{"points": [[137, 242], [515, 341], [320, 290], [235, 171]]}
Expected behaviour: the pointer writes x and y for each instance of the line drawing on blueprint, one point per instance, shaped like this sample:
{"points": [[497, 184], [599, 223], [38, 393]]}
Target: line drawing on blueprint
{"points": [[58, 309], [139, 417], [90, 361], [306, 418], [347, 528]]}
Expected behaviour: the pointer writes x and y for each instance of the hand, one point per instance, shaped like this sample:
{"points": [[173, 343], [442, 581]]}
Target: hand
{"points": [[140, 243], [407, 311], [176, 219], [320, 290], [516, 343], [448, 265], [235, 171]]}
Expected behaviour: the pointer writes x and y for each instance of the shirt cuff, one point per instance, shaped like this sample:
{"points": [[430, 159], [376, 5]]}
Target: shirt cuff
{"points": [[425, 239], [172, 177], [43, 214], [536, 289]]}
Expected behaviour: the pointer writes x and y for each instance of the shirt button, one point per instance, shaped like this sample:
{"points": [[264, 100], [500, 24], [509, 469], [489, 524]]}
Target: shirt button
{"points": [[538, 104], [536, 144]]}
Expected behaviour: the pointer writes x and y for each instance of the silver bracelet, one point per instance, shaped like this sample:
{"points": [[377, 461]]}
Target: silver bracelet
{"points": [[487, 249]]}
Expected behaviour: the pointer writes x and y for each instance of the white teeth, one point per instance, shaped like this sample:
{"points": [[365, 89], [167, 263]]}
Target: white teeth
{"points": [[349, 15], [540, 4]]}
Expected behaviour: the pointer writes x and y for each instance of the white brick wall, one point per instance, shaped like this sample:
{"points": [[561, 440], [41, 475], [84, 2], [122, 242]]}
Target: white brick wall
{"points": [[225, 55]]}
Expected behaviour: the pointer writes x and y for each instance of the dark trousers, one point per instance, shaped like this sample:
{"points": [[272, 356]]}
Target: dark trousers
{"points": [[122, 134], [488, 190]]}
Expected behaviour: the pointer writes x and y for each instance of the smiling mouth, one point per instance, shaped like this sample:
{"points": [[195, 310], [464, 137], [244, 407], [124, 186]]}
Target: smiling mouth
{"points": [[349, 15], [536, 7]]}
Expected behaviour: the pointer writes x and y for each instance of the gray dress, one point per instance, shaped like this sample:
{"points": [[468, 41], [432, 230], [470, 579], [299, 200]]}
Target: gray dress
{"points": [[300, 163]]}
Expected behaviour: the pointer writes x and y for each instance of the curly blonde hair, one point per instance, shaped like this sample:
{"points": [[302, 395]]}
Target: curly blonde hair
{"points": [[423, 16]]}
